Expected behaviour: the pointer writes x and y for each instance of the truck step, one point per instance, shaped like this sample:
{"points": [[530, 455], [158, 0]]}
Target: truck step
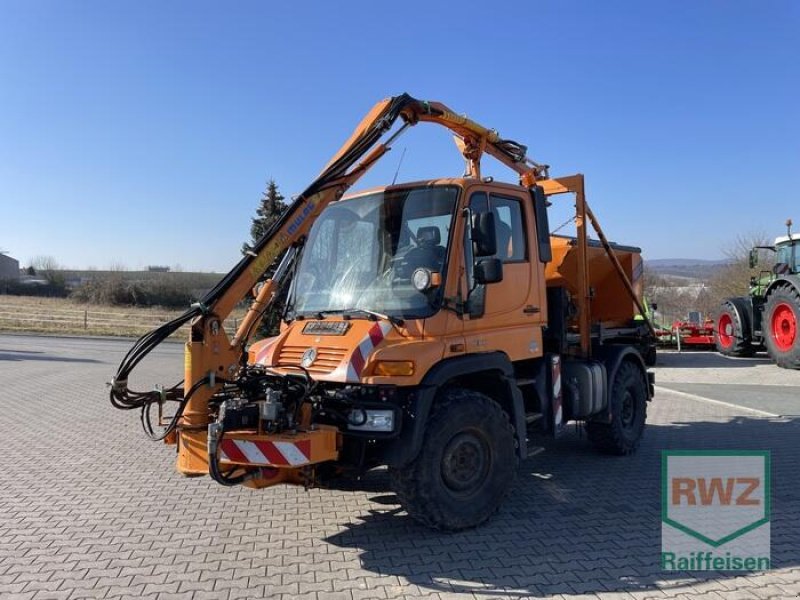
{"points": [[532, 417]]}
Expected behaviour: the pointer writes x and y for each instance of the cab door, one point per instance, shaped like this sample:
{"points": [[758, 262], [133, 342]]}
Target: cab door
{"points": [[512, 312]]}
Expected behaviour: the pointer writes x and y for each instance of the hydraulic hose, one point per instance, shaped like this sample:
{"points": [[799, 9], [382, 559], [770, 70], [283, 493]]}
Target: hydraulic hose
{"points": [[147, 424], [215, 435]]}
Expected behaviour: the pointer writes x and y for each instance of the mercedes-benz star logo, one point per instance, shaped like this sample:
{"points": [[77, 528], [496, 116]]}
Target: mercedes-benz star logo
{"points": [[309, 356]]}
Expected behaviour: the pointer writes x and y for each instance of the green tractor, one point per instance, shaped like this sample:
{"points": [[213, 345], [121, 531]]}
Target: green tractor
{"points": [[768, 317]]}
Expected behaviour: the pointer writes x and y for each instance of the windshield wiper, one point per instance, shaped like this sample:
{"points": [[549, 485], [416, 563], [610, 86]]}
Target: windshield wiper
{"points": [[347, 313]]}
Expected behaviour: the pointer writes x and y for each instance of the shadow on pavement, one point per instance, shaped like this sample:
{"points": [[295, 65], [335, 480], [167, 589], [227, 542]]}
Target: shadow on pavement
{"points": [[17, 355], [704, 359], [576, 521]]}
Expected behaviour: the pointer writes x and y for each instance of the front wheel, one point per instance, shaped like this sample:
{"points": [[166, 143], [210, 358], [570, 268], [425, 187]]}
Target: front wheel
{"points": [[781, 317], [465, 467], [628, 403]]}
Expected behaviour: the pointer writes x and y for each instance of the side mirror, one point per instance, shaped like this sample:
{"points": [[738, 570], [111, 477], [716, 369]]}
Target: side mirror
{"points": [[484, 236], [488, 270], [753, 258]]}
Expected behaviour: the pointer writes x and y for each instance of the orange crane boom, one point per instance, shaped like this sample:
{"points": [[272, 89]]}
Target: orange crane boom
{"points": [[212, 359]]}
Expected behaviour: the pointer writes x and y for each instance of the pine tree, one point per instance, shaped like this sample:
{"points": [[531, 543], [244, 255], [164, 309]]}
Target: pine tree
{"points": [[269, 209]]}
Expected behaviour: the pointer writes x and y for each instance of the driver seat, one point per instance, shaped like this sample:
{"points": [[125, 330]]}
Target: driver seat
{"points": [[428, 252]]}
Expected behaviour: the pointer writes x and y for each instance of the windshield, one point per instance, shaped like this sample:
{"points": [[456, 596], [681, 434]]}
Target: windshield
{"points": [[361, 253], [784, 256]]}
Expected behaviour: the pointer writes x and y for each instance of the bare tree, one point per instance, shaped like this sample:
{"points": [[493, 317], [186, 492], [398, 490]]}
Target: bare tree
{"points": [[117, 267], [48, 267], [733, 279]]}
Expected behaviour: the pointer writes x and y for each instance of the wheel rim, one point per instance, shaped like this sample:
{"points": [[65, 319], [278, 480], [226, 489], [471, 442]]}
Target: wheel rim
{"points": [[628, 413], [784, 327], [465, 462], [725, 330]]}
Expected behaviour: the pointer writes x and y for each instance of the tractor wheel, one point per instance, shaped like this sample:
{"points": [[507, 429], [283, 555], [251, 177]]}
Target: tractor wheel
{"points": [[465, 467], [628, 400], [781, 336], [732, 335]]}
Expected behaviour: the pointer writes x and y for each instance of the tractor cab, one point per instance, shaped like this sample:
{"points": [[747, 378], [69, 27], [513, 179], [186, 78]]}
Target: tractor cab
{"points": [[787, 254], [786, 261]]}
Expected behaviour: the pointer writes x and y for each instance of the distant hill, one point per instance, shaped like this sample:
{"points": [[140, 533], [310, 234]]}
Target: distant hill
{"points": [[690, 268]]}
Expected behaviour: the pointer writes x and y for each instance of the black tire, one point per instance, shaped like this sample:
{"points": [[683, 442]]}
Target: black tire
{"points": [[732, 334], [628, 400], [780, 327], [466, 465]]}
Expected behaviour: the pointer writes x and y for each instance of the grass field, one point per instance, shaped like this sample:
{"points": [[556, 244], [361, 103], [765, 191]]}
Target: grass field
{"points": [[63, 316]]}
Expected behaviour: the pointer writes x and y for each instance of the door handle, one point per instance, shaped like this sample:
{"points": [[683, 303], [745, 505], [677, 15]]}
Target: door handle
{"points": [[531, 310]]}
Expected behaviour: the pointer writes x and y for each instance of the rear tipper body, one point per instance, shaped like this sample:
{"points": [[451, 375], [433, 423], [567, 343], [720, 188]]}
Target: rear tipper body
{"points": [[435, 327]]}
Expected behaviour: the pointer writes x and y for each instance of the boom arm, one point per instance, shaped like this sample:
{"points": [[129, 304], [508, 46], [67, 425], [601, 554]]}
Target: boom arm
{"points": [[211, 358]]}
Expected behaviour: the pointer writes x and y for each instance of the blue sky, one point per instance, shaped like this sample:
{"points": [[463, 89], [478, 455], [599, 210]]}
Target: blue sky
{"points": [[142, 133]]}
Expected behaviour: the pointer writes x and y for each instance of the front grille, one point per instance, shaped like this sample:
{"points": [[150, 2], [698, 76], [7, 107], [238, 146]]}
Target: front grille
{"points": [[327, 358]]}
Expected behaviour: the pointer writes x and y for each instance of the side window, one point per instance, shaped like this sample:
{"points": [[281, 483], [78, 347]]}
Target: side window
{"points": [[508, 222]]}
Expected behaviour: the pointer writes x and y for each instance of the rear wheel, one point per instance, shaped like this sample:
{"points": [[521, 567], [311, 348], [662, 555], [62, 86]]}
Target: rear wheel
{"points": [[732, 335], [628, 400], [465, 467], [781, 335]]}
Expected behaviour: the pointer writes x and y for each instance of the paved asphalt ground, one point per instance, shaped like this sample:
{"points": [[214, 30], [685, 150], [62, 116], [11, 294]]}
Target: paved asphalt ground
{"points": [[90, 509]]}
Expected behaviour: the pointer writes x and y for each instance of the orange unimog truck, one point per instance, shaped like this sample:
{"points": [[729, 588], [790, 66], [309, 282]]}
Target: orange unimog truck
{"points": [[434, 327]]}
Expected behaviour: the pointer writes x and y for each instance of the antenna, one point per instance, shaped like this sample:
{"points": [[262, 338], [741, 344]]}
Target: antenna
{"points": [[399, 164]]}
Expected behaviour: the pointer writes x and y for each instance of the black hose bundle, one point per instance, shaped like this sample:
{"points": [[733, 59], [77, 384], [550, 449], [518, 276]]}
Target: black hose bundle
{"points": [[217, 475], [124, 398]]}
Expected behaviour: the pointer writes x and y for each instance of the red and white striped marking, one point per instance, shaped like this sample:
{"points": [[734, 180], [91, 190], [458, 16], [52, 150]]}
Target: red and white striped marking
{"points": [[265, 350], [276, 454], [558, 411], [374, 336]]}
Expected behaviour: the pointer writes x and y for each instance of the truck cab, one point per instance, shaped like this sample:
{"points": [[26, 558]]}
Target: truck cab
{"points": [[399, 257]]}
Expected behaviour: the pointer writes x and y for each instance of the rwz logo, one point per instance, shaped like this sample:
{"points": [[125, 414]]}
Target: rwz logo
{"points": [[690, 490], [715, 509]]}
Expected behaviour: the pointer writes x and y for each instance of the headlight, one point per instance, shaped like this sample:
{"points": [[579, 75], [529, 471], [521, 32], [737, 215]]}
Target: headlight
{"points": [[371, 420]]}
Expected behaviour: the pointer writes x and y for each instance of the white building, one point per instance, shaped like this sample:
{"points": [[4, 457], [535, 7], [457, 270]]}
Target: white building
{"points": [[9, 268]]}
